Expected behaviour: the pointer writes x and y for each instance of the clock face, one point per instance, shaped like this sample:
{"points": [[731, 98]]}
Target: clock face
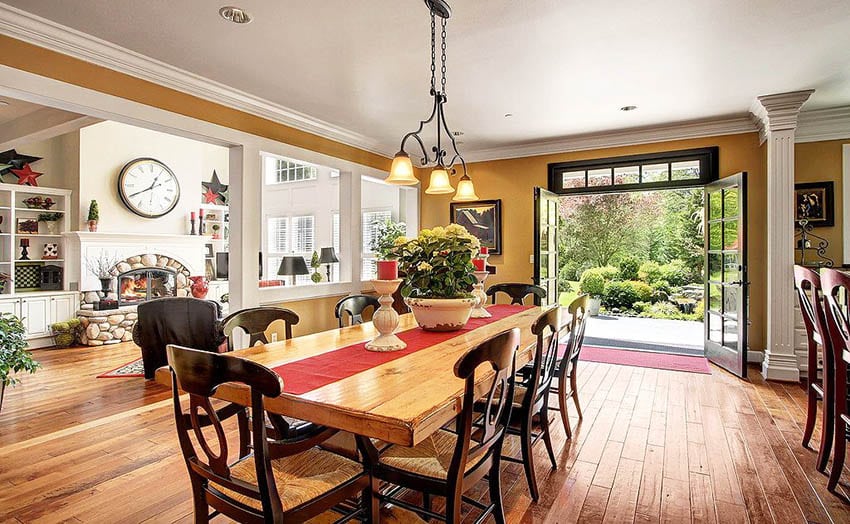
{"points": [[148, 188]]}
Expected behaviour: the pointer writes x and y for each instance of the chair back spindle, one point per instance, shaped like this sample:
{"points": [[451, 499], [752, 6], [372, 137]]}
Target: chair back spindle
{"points": [[255, 321], [548, 329]]}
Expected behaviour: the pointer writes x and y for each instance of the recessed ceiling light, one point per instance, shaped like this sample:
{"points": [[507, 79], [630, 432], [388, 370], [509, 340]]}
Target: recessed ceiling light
{"points": [[628, 108], [3, 103], [508, 115], [237, 15]]}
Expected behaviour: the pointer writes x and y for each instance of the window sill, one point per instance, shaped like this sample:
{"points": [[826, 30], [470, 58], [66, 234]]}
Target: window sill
{"points": [[278, 294]]}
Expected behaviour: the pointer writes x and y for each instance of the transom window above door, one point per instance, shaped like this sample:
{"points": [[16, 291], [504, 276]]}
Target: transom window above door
{"points": [[673, 169]]}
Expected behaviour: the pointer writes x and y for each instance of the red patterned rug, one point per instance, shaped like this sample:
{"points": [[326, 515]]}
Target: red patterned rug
{"points": [[131, 369], [645, 359]]}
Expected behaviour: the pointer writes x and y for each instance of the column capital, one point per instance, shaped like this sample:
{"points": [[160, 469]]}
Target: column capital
{"points": [[778, 112]]}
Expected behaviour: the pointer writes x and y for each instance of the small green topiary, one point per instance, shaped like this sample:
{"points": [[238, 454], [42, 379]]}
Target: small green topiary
{"points": [[94, 211]]}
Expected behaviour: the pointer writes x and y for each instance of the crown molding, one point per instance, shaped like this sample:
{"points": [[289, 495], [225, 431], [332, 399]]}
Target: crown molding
{"points": [[625, 137], [45, 33], [823, 124], [778, 112]]}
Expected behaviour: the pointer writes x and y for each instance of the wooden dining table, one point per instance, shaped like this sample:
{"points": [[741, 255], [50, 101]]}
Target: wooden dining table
{"points": [[402, 401]]}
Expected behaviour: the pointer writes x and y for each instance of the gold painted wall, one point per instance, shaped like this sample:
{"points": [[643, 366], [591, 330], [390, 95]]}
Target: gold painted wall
{"points": [[513, 181], [821, 162]]}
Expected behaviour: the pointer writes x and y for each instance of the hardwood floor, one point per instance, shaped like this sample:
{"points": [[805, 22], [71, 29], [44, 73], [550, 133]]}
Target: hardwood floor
{"points": [[653, 446]]}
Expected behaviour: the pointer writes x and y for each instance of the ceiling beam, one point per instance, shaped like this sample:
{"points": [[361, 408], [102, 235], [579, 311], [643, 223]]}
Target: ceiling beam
{"points": [[40, 125]]}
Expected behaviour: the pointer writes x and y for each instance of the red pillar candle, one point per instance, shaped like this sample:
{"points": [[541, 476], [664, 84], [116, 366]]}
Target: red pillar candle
{"points": [[387, 269], [484, 250], [192, 215], [478, 263], [201, 211]]}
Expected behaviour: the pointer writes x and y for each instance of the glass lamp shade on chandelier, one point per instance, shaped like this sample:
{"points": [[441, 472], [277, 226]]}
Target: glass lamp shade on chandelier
{"points": [[401, 172]]}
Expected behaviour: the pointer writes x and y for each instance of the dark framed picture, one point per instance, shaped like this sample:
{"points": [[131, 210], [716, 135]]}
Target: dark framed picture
{"points": [[209, 253], [815, 202], [27, 226], [483, 219]]}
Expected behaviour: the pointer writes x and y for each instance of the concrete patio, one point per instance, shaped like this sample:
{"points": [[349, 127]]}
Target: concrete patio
{"points": [[646, 334]]}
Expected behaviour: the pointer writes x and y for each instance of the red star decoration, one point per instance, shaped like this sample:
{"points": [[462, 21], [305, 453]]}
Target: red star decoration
{"points": [[209, 196], [26, 176]]}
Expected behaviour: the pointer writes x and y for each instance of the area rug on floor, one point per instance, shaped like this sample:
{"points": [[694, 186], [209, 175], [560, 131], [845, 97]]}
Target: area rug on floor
{"points": [[645, 359], [132, 369]]}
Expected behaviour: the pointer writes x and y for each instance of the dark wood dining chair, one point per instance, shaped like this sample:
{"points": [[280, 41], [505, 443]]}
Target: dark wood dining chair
{"points": [[516, 292], [354, 306], [836, 293], [255, 321], [567, 370], [810, 296], [274, 481], [531, 397], [447, 464]]}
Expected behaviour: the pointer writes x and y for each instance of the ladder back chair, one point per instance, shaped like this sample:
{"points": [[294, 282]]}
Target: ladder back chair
{"points": [[355, 305], [447, 463], [836, 286], [517, 292], [531, 398], [567, 371], [810, 296], [275, 481], [255, 321]]}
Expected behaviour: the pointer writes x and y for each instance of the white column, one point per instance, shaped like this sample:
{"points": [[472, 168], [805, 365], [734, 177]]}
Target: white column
{"points": [[778, 116], [245, 221]]}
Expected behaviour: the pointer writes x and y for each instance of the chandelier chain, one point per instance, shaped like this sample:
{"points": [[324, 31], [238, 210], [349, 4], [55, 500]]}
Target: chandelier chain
{"points": [[433, 53], [443, 69]]}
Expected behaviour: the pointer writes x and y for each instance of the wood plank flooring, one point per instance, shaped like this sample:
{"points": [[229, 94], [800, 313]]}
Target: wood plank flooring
{"points": [[654, 446]]}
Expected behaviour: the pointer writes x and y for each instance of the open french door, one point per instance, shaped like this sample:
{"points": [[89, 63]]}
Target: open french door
{"points": [[726, 284], [546, 243]]}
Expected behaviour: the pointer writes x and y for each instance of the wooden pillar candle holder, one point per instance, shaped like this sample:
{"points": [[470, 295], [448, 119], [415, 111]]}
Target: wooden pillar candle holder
{"points": [[385, 318], [479, 311]]}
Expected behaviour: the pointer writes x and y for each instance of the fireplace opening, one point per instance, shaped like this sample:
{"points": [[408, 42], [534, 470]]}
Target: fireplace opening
{"points": [[141, 285]]}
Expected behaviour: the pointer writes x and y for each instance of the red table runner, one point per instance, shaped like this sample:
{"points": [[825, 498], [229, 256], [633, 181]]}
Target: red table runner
{"points": [[311, 373]]}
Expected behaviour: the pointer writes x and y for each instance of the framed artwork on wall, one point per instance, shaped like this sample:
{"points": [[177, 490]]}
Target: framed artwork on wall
{"points": [[815, 202], [483, 219]]}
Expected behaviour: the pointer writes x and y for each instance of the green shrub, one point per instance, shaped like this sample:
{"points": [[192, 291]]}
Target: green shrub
{"points": [[629, 268], [619, 294], [640, 307], [592, 283], [663, 310], [642, 290], [699, 310], [675, 272], [649, 272], [660, 291]]}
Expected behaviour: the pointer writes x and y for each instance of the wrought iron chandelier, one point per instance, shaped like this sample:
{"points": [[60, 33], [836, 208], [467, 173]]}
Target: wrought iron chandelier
{"points": [[401, 172]]}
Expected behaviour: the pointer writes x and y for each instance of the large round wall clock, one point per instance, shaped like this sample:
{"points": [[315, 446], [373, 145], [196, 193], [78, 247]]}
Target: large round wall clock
{"points": [[148, 187]]}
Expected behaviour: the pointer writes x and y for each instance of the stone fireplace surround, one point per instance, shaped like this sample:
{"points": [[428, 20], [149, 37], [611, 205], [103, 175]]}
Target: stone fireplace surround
{"points": [[146, 261]]}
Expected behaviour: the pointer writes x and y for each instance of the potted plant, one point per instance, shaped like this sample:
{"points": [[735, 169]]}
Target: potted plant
{"points": [[94, 216], [215, 229], [593, 283], [50, 220], [316, 277], [14, 356], [65, 333], [439, 276]]}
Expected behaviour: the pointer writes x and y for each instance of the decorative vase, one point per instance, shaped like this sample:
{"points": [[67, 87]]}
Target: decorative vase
{"points": [[441, 314], [200, 287], [51, 227], [593, 304], [105, 285], [385, 318], [92, 225]]}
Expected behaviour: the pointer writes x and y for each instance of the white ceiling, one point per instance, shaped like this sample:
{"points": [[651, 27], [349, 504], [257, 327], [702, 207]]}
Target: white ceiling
{"points": [[560, 67], [15, 109]]}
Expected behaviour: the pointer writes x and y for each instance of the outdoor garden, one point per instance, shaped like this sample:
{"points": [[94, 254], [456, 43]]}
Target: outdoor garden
{"points": [[635, 254]]}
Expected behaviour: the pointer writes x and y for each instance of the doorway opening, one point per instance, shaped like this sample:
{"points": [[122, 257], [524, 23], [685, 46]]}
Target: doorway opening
{"points": [[640, 255]]}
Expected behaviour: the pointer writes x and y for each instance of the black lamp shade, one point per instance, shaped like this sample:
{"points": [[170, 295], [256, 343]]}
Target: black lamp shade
{"points": [[293, 266], [328, 256]]}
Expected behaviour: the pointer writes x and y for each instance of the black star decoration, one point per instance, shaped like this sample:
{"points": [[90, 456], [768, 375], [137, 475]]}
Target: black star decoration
{"points": [[10, 160], [215, 186]]}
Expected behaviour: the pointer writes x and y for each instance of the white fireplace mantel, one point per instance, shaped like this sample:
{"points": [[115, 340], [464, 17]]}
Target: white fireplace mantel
{"points": [[189, 250]]}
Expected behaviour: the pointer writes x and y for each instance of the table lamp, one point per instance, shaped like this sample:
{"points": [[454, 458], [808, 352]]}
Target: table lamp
{"points": [[292, 266], [328, 257]]}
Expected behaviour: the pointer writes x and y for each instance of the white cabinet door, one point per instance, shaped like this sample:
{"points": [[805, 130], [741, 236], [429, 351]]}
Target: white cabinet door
{"points": [[11, 306], [62, 308], [36, 314]]}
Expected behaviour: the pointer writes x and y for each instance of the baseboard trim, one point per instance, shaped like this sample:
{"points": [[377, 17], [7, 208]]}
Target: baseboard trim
{"points": [[780, 367]]}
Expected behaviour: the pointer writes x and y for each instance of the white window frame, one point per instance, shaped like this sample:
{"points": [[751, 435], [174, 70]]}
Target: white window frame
{"points": [[369, 256]]}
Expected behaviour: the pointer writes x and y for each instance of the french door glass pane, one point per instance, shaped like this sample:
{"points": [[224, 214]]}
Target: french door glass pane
{"points": [[715, 269], [731, 267], [715, 298], [730, 202], [715, 205], [730, 235], [730, 333], [730, 300], [715, 236], [715, 330]]}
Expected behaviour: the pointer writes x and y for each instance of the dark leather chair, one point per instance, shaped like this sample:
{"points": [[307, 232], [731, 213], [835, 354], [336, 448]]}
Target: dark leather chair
{"points": [[355, 305], [810, 296], [255, 321], [517, 292], [184, 321]]}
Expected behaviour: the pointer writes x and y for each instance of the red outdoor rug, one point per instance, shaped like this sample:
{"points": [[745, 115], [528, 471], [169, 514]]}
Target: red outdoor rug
{"points": [[645, 359], [131, 369]]}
